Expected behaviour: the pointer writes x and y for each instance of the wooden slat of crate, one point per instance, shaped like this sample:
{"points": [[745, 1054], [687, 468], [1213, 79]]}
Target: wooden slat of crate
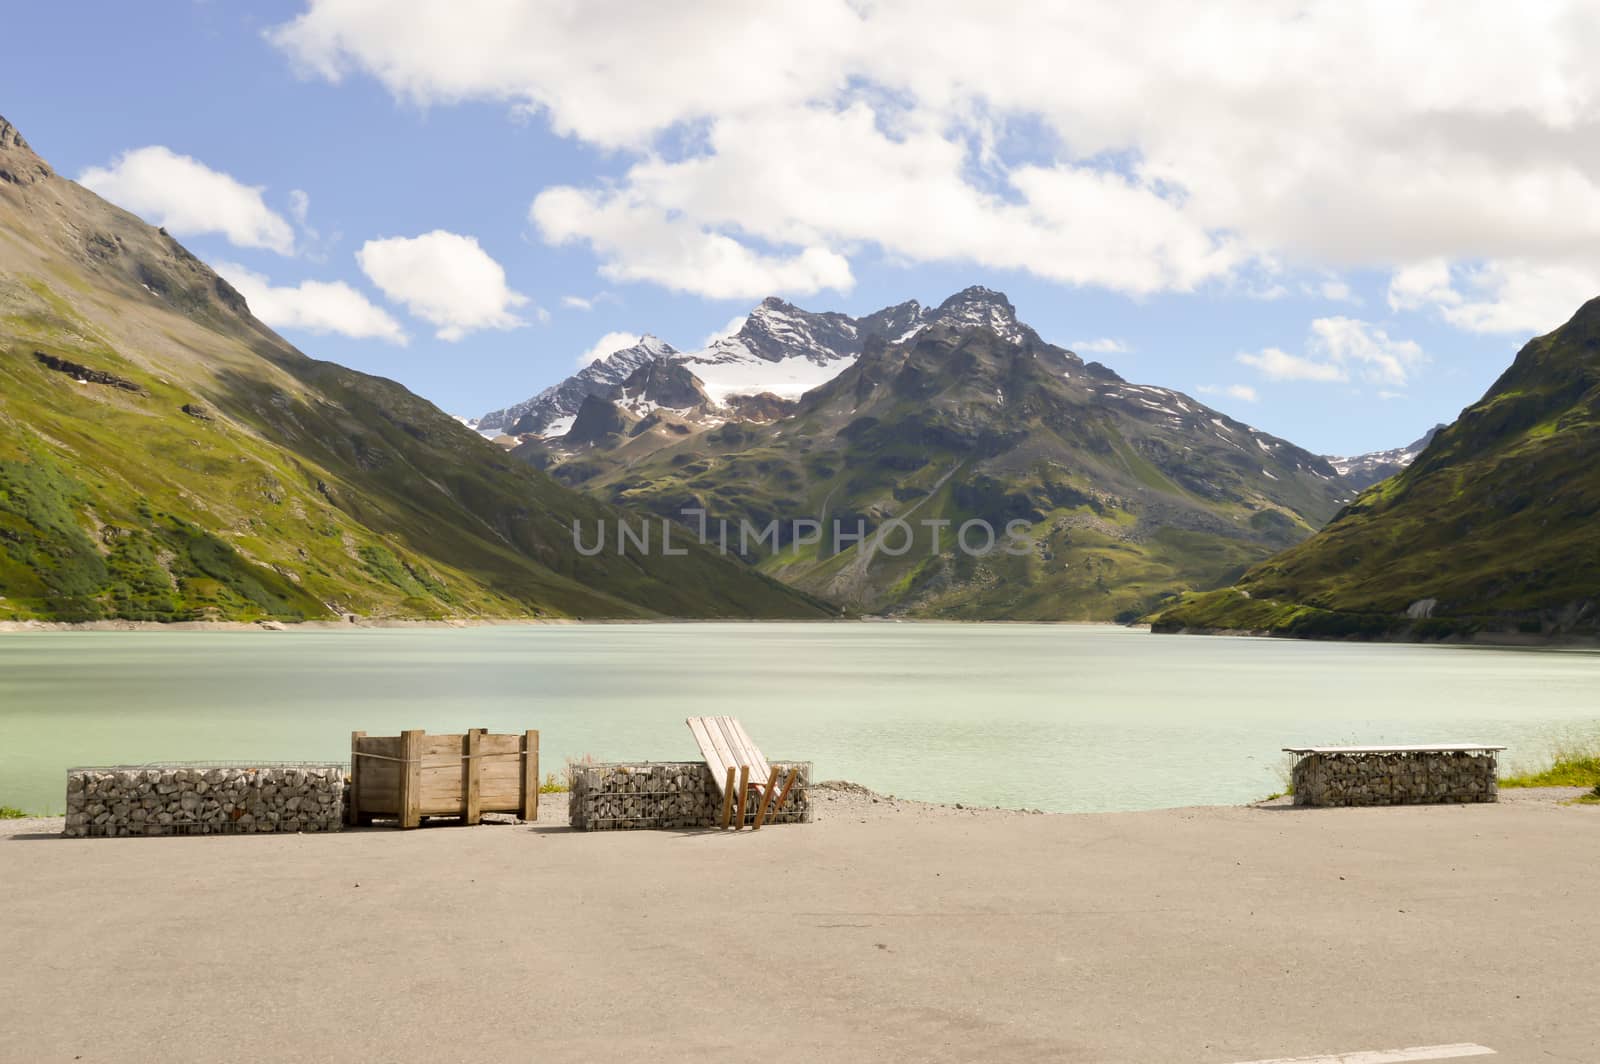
{"points": [[439, 776], [500, 774], [379, 775], [410, 789], [441, 791], [530, 775]]}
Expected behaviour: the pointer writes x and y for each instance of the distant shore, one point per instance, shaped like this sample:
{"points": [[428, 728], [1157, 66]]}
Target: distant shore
{"points": [[367, 623], [276, 626], [1476, 639]]}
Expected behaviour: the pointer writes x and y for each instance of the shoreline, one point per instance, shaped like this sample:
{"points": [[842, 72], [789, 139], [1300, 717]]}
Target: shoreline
{"points": [[843, 799]]}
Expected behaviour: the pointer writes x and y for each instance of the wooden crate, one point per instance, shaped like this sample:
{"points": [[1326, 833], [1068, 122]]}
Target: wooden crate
{"points": [[414, 775]]}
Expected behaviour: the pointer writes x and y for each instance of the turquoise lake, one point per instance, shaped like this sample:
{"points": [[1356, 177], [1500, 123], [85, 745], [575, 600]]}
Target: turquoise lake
{"points": [[1057, 717]]}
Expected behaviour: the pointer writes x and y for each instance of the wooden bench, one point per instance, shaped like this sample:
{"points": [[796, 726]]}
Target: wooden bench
{"points": [[1394, 775], [729, 752]]}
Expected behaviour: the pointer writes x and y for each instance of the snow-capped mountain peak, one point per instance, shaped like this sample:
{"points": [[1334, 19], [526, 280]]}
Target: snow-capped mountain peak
{"points": [[979, 307], [550, 412], [776, 330], [780, 350], [653, 346]]}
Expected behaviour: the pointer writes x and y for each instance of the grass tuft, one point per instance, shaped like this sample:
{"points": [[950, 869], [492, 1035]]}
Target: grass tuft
{"points": [[1575, 764], [8, 813]]}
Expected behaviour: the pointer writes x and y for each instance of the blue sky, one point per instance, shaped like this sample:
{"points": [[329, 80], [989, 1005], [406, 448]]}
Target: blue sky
{"points": [[1343, 263]]}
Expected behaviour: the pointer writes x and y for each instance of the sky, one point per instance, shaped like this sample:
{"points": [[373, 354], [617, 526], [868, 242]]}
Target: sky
{"points": [[1335, 221]]}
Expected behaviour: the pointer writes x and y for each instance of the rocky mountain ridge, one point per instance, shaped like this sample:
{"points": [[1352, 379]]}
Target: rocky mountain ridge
{"points": [[779, 352], [1130, 493]]}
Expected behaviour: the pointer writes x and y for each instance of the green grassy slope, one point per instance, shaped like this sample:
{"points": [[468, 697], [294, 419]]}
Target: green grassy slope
{"points": [[1492, 529], [1131, 495], [165, 456]]}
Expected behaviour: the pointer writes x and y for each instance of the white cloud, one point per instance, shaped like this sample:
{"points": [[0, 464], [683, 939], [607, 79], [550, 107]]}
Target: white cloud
{"points": [[642, 242], [608, 344], [787, 140], [1279, 365], [1420, 284], [187, 197], [1349, 342], [587, 303], [1106, 345], [608, 79], [1499, 296], [1242, 392], [1336, 348], [733, 326], [1332, 289], [443, 278], [299, 205], [313, 306]]}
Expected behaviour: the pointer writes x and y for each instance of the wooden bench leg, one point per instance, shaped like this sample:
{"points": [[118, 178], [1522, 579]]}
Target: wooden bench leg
{"points": [[766, 798], [783, 795], [744, 786], [727, 800]]}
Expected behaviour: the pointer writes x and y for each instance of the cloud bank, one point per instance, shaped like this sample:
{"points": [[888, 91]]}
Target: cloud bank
{"points": [[771, 146]]}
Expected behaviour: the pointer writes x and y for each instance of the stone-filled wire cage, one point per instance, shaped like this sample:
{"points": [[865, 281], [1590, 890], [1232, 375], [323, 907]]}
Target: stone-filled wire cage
{"points": [[669, 795], [1364, 777], [205, 798]]}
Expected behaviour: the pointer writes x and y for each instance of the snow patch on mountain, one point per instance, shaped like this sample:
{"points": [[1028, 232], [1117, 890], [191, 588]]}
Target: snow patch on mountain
{"points": [[788, 378], [780, 349]]}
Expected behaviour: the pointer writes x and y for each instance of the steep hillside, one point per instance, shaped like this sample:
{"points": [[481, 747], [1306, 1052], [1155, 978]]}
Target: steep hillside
{"points": [[1492, 530], [1130, 493], [164, 455]]}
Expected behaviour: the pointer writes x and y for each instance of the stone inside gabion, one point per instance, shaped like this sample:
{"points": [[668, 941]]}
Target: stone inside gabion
{"points": [[671, 795], [204, 800], [1398, 778]]}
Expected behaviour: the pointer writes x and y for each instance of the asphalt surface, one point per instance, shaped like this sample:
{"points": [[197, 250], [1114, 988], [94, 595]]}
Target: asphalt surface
{"points": [[883, 932]]}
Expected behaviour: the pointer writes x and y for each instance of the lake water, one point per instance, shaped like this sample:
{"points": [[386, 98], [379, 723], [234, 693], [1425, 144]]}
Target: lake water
{"points": [[1058, 717]]}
